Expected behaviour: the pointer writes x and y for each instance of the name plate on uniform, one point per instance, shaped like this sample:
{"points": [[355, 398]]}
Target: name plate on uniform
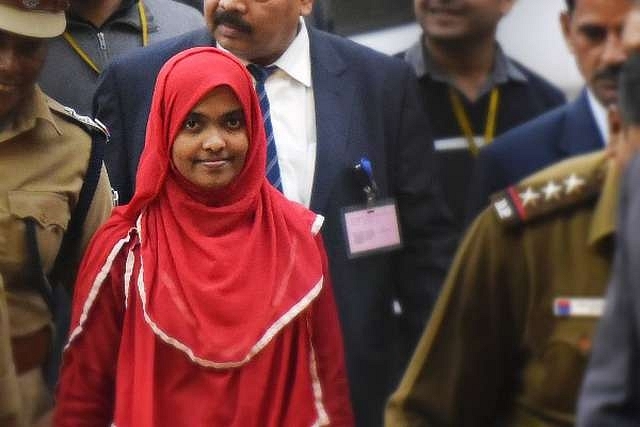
{"points": [[373, 228], [578, 307], [456, 143]]}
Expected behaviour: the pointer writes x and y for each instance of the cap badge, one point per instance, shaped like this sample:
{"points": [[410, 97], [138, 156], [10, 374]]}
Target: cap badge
{"points": [[30, 4]]}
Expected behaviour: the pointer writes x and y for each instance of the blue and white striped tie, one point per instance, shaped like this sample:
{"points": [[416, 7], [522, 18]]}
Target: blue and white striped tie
{"points": [[273, 170]]}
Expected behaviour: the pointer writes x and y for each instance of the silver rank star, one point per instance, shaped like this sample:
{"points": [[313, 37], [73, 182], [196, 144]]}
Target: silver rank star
{"points": [[551, 190], [573, 183], [529, 196]]}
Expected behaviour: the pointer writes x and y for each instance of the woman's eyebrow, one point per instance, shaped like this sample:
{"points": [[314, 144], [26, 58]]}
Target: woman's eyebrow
{"points": [[234, 114]]}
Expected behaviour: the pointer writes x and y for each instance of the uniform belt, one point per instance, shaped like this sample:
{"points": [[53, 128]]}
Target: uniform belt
{"points": [[31, 351]]}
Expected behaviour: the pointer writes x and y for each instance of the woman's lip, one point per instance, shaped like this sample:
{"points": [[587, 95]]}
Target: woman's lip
{"points": [[213, 164]]}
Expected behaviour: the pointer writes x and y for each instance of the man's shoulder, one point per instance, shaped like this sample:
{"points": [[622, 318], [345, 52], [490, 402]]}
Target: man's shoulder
{"points": [[67, 117], [546, 126], [325, 45], [560, 187], [173, 8], [174, 18], [157, 53], [541, 85]]}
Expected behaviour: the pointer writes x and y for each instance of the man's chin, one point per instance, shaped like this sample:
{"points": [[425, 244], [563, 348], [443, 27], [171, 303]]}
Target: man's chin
{"points": [[607, 96], [605, 89]]}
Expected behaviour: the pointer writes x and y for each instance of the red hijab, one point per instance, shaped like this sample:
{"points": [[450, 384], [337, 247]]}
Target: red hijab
{"points": [[224, 270]]}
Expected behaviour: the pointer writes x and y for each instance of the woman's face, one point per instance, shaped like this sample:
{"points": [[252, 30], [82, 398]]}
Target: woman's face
{"points": [[211, 146]]}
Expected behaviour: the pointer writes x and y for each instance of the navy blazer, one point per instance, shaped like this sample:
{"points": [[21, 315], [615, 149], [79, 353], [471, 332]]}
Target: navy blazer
{"points": [[366, 105], [610, 395], [563, 132]]}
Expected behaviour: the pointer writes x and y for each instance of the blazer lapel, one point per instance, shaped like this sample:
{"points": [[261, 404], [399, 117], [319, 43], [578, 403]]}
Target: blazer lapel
{"points": [[581, 133], [333, 90]]}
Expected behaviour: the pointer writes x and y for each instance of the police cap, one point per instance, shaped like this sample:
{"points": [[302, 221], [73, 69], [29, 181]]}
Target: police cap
{"points": [[33, 18]]}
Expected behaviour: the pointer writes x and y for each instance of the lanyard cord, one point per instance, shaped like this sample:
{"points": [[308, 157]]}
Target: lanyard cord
{"points": [[465, 124], [85, 57]]}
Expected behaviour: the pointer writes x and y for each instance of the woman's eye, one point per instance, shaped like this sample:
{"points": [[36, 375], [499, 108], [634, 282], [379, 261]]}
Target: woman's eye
{"points": [[234, 123], [190, 124], [233, 120]]}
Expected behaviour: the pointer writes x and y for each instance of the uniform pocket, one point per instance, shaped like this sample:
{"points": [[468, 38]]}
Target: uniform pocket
{"points": [[51, 212], [49, 209], [555, 376]]}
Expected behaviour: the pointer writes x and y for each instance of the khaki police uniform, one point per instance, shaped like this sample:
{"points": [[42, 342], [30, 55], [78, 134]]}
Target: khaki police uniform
{"points": [[509, 338], [8, 383], [43, 160]]}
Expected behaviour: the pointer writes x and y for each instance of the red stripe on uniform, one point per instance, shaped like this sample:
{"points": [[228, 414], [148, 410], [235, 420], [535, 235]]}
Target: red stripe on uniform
{"points": [[515, 198]]}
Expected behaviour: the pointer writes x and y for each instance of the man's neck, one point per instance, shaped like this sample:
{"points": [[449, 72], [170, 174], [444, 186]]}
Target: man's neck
{"points": [[95, 11], [468, 64]]}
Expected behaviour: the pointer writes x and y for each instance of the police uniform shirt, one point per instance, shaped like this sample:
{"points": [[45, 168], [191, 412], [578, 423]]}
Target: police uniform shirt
{"points": [[9, 401], [523, 95], [510, 336], [43, 160]]}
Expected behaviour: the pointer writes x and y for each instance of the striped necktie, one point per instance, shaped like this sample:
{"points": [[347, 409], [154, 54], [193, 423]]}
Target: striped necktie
{"points": [[261, 74]]}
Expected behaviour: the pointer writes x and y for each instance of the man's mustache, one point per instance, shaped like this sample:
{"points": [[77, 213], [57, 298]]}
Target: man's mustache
{"points": [[611, 73], [232, 19]]}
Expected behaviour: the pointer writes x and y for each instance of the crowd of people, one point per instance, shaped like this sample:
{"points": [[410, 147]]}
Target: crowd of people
{"points": [[219, 213]]}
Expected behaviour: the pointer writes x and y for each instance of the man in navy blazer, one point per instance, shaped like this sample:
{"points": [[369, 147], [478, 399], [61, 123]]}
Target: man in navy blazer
{"points": [[365, 104], [592, 30]]}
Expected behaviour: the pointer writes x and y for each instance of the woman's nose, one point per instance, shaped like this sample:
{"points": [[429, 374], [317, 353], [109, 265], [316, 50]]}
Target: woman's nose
{"points": [[213, 142]]}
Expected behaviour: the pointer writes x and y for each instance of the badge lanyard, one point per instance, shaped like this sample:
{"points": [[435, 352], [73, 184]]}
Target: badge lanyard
{"points": [[85, 57], [364, 174], [465, 124]]}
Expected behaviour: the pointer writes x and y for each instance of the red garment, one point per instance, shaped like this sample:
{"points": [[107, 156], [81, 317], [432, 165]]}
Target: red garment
{"points": [[204, 308]]}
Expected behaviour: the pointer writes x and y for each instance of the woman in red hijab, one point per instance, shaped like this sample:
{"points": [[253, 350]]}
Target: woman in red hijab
{"points": [[205, 301]]}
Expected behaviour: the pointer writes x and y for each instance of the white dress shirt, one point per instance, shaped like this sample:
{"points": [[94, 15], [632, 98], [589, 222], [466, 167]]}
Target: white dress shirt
{"points": [[293, 117], [600, 116]]}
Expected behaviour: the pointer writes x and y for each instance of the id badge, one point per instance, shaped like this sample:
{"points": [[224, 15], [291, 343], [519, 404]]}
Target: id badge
{"points": [[578, 307], [371, 228]]}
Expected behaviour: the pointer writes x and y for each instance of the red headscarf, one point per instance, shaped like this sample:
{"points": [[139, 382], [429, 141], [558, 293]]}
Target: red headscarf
{"points": [[222, 270]]}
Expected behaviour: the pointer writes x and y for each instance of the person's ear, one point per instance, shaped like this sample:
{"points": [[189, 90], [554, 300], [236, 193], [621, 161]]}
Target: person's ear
{"points": [[565, 24], [306, 6], [506, 6]]}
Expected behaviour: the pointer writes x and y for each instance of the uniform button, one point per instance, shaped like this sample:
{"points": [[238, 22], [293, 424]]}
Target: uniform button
{"points": [[584, 344], [44, 218]]}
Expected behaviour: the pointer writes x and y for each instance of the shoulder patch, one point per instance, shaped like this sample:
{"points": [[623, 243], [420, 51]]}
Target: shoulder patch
{"points": [[93, 126], [524, 203]]}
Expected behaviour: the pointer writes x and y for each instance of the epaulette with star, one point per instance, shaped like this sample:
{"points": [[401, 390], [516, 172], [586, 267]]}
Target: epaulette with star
{"points": [[524, 203], [92, 126]]}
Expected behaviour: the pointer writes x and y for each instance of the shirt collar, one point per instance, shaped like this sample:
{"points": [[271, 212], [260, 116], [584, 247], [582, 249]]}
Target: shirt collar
{"points": [[34, 113], [599, 115], [127, 14], [504, 69], [296, 60]]}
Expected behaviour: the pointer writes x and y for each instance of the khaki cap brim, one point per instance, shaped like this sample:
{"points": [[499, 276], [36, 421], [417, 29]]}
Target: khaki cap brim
{"points": [[32, 23]]}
